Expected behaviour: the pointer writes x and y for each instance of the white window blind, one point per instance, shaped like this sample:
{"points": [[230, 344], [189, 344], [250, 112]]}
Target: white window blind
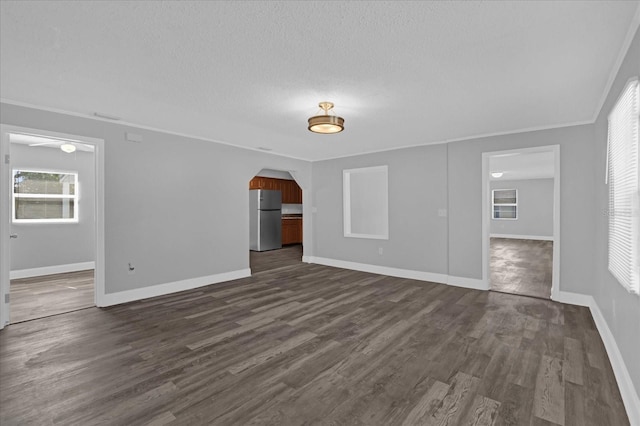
{"points": [[623, 163]]}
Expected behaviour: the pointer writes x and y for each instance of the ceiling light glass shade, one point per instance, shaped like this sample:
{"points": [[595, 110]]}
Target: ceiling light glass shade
{"points": [[496, 174], [68, 148], [326, 124]]}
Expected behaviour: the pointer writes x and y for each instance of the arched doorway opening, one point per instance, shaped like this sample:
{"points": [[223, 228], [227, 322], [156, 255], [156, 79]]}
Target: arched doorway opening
{"points": [[275, 221]]}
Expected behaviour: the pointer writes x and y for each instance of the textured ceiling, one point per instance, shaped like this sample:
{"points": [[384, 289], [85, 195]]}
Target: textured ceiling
{"points": [[251, 73]]}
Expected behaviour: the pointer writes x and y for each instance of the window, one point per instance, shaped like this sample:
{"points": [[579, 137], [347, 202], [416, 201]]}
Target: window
{"points": [[505, 204], [44, 196], [622, 176], [366, 203]]}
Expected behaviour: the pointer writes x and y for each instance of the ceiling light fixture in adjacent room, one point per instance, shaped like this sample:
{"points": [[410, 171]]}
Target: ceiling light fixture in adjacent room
{"points": [[68, 148], [326, 123], [496, 174]]}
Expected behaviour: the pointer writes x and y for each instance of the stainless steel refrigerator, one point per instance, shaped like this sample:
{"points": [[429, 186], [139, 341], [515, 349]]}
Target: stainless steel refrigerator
{"points": [[265, 219]]}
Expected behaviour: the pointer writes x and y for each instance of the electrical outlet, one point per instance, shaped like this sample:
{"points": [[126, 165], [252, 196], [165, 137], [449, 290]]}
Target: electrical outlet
{"points": [[380, 250]]}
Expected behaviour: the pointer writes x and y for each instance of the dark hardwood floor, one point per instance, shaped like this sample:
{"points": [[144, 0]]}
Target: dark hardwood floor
{"points": [[522, 266], [309, 344], [288, 255], [48, 295]]}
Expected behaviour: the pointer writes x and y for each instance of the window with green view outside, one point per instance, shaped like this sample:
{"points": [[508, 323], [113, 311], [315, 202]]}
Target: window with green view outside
{"points": [[44, 196]]}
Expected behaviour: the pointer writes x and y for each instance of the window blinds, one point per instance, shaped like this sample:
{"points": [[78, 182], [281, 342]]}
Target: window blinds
{"points": [[624, 212]]}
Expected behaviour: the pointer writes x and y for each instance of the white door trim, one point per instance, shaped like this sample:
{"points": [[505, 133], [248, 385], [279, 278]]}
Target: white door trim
{"points": [[486, 219], [5, 212]]}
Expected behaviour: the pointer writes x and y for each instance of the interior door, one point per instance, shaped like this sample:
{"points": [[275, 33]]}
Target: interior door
{"points": [[5, 224]]}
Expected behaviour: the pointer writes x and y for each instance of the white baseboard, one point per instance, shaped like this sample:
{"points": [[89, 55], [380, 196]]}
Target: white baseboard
{"points": [[627, 390], [474, 283], [575, 299], [522, 237], [49, 270], [381, 270], [400, 273], [110, 299]]}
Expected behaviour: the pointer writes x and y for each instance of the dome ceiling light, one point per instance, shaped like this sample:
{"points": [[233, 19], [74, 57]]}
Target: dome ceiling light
{"points": [[326, 123], [68, 148]]}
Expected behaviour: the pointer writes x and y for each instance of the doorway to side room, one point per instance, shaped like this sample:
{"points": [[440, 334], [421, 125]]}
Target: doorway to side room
{"points": [[275, 238], [50, 216], [522, 197]]}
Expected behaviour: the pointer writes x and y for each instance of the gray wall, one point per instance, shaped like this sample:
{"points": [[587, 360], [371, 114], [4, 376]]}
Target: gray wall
{"points": [[535, 208], [620, 309], [577, 215], [277, 174], [424, 179], [417, 189], [583, 254], [165, 198], [51, 244], [177, 208]]}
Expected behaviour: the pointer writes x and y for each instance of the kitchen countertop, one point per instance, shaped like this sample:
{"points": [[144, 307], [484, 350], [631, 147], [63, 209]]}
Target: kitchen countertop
{"points": [[291, 216]]}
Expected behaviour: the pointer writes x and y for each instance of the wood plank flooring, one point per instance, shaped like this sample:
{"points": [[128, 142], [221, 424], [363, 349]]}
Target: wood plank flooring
{"points": [[47, 295], [310, 344], [266, 260], [521, 266]]}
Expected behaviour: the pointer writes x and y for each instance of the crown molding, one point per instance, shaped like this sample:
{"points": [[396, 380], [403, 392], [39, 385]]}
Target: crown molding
{"points": [[141, 126]]}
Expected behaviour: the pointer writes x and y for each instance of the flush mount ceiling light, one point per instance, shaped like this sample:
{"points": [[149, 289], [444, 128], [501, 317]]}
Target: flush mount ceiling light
{"points": [[496, 174], [68, 148], [326, 123]]}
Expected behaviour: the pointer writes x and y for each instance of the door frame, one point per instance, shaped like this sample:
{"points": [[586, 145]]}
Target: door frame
{"points": [[5, 212], [486, 219], [304, 182]]}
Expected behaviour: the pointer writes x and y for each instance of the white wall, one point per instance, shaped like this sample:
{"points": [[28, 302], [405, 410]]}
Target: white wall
{"points": [[535, 208], [51, 244], [175, 207], [620, 309]]}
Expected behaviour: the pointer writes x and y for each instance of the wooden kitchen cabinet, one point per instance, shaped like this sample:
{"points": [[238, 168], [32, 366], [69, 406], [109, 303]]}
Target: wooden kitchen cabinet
{"points": [[291, 231], [296, 193], [291, 192]]}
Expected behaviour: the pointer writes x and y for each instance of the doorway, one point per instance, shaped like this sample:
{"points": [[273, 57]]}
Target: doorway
{"points": [[287, 227], [52, 215], [521, 221]]}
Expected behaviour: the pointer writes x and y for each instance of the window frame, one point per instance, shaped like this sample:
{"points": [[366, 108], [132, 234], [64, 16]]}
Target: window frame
{"points": [[75, 197], [494, 204], [630, 282], [382, 197]]}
